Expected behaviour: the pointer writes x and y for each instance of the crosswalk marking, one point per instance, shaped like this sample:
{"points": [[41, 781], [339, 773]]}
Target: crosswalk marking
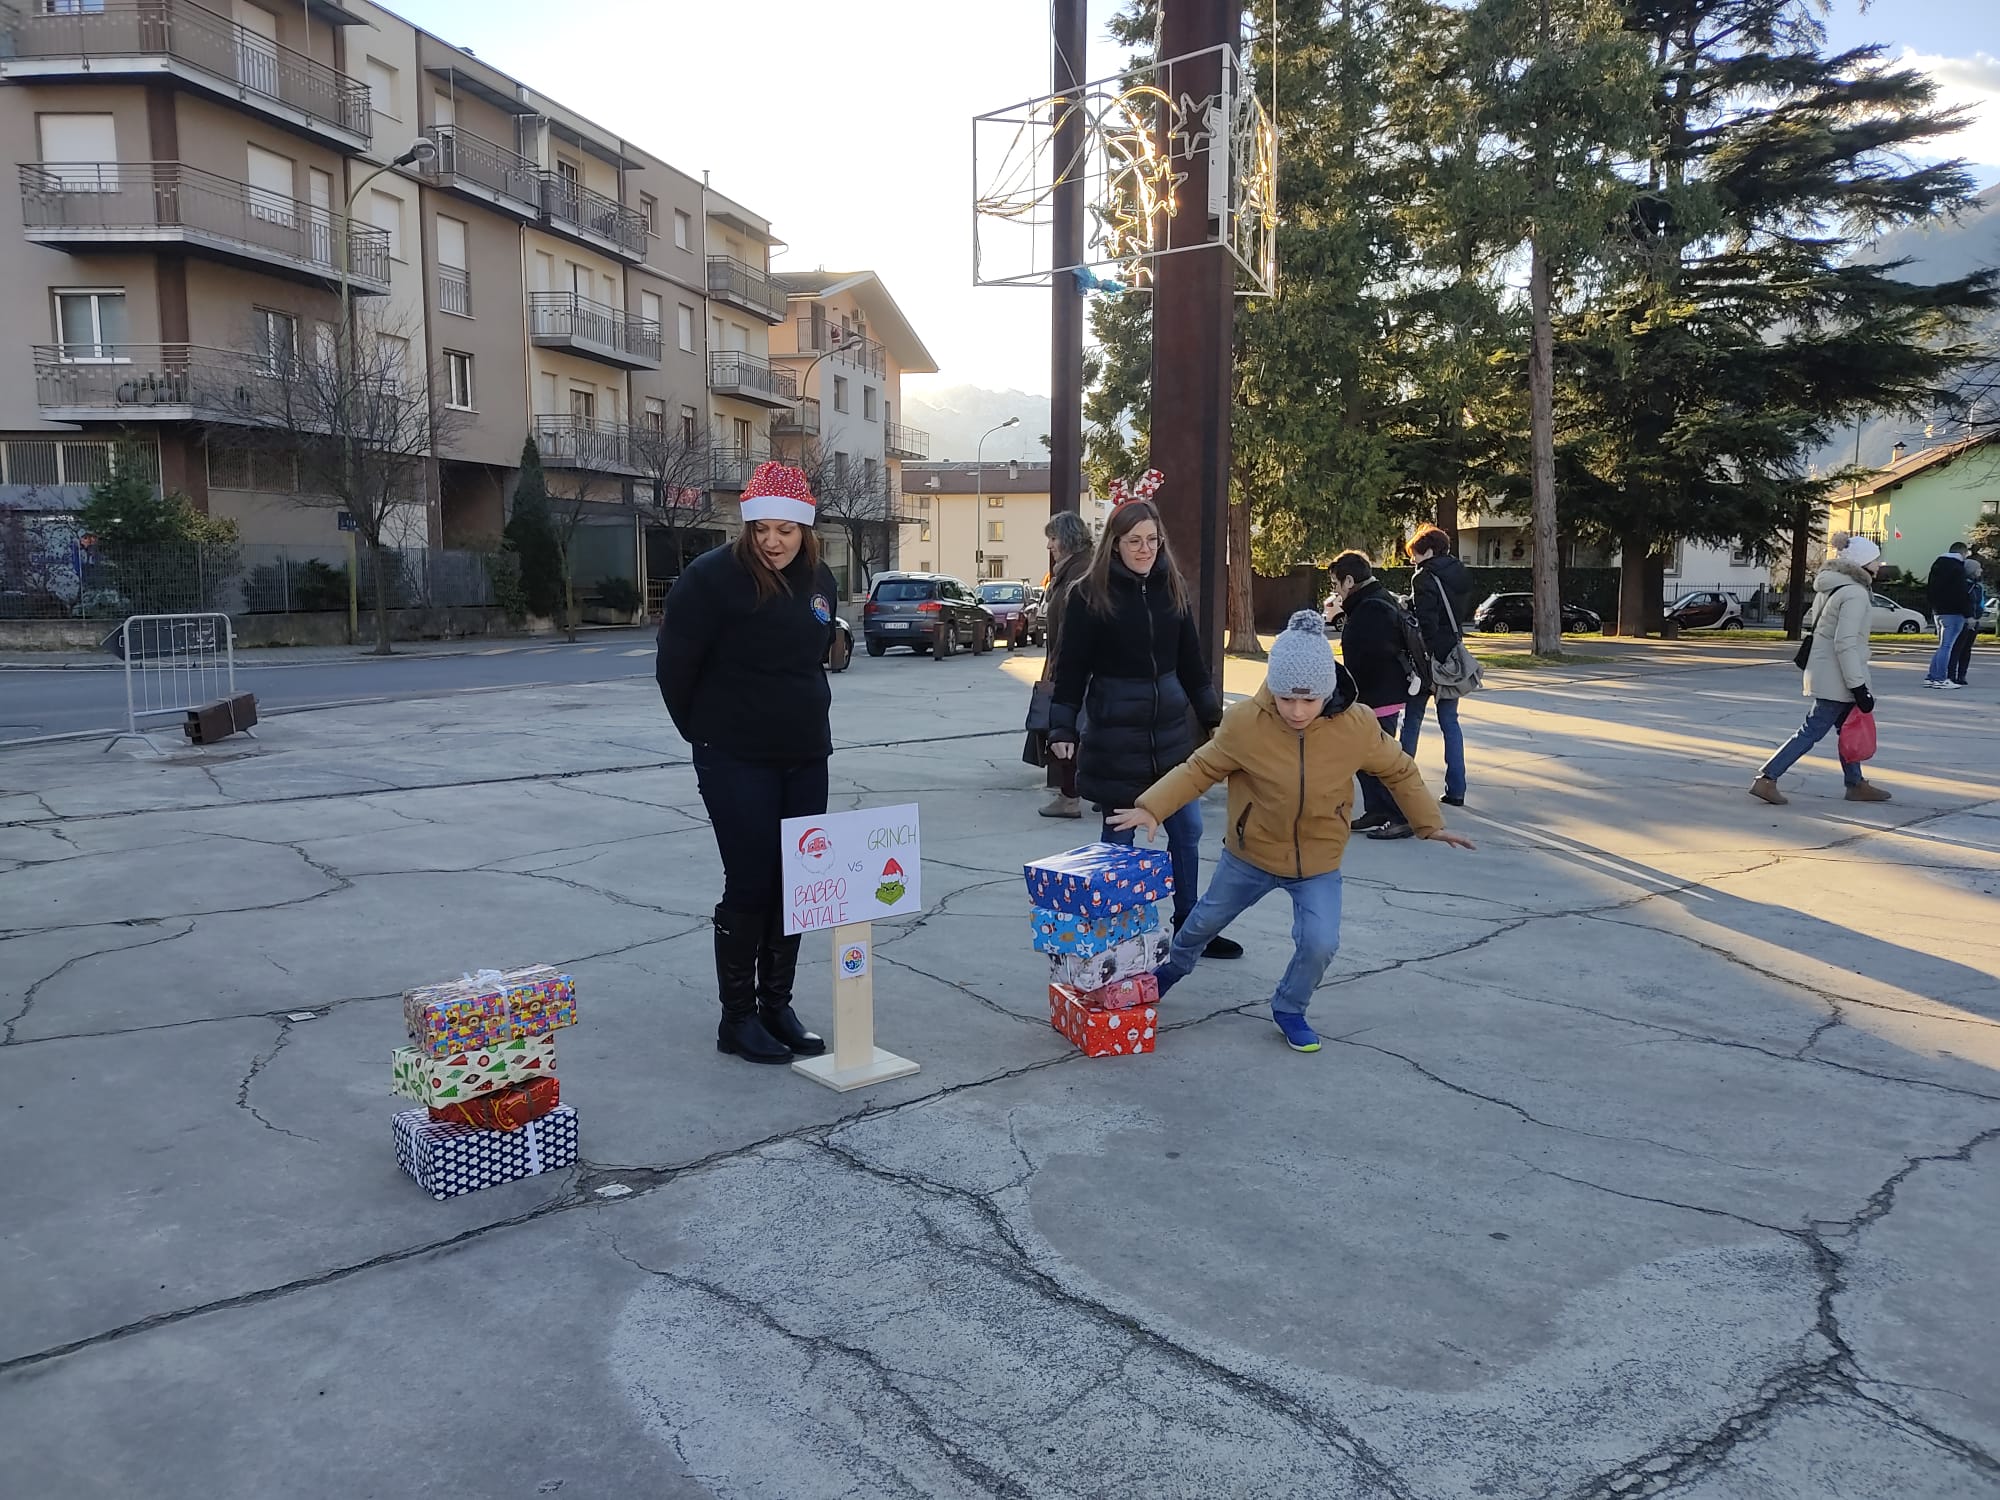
{"points": [[590, 651], [499, 651], [541, 651], [642, 651]]}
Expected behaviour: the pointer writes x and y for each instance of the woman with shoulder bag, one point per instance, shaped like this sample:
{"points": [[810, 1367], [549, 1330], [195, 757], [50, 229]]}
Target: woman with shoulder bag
{"points": [[1069, 564], [1441, 596], [742, 639], [1131, 670]]}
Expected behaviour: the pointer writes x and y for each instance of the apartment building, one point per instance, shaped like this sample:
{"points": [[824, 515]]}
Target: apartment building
{"points": [[851, 346], [200, 184], [982, 520]]}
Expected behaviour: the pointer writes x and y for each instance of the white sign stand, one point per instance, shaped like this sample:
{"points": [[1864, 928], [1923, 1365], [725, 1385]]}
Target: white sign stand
{"points": [[855, 1061]]}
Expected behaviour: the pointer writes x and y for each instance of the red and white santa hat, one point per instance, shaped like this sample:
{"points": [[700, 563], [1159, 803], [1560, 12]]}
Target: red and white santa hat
{"points": [[778, 493]]}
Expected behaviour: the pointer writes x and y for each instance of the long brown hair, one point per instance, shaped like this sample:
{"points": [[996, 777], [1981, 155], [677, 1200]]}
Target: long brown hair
{"points": [[1123, 519], [771, 583]]}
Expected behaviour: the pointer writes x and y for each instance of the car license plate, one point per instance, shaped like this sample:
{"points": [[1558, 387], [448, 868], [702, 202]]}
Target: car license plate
{"points": [[897, 625]]}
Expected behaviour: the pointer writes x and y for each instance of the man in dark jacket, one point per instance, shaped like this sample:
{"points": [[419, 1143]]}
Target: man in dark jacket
{"points": [[1949, 594], [1371, 647], [1441, 595]]}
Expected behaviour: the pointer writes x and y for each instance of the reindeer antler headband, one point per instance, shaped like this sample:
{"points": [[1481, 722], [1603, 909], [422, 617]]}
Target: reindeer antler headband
{"points": [[1143, 489]]}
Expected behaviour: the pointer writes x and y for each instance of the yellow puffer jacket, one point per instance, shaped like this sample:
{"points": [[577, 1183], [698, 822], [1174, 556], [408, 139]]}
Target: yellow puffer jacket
{"points": [[1291, 792]]}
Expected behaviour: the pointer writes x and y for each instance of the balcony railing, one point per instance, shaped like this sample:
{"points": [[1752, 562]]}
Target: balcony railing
{"points": [[846, 348], [733, 466], [455, 291], [581, 443], [158, 382], [119, 203], [108, 37], [731, 372], [471, 162], [906, 442], [801, 422], [739, 282], [568, 204], [565, 320]]}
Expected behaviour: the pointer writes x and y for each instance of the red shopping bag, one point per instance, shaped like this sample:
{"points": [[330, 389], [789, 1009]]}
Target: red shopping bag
{"points": [[1857, 737]]}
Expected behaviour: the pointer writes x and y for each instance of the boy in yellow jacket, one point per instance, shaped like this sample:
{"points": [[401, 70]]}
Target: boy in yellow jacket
{"points": [[1289, 755]]}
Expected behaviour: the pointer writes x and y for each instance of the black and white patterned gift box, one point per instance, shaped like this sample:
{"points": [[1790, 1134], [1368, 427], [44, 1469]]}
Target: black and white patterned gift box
{"points": [[447, 1158]]}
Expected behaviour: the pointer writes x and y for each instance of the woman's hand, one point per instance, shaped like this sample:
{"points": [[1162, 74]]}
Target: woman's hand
{"points": [[1063, 749], [1135, 817], [1457, 841]]}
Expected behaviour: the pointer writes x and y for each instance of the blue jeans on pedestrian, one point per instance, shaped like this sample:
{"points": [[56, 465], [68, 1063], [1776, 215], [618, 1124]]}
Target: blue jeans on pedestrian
{"points": [[1454, 740], [1239, 885], [1375, 797], [1826, 715], [1949, 627], [1183, 853]]}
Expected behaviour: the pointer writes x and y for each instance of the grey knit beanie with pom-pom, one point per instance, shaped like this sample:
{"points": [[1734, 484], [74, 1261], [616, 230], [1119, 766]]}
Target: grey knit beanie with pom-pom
{"points": [[1301, 663]]}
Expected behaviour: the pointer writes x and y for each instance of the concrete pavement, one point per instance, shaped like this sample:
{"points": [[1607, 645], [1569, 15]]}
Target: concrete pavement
{"points": [[1655, 1150]]}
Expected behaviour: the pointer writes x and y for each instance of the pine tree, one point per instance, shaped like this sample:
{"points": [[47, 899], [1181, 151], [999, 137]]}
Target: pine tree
{"points": [[530, 535]]}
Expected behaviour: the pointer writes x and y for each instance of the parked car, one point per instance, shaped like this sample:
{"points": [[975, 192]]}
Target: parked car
{"points": [[1008, 604], [1989, 618], [1708, 610], [905, 609], [1516, 612], [840, 650], [1038, 621], [1890, 618]]}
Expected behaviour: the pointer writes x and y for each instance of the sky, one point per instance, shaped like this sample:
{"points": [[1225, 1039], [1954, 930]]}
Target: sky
{"points": [[848, 122]]}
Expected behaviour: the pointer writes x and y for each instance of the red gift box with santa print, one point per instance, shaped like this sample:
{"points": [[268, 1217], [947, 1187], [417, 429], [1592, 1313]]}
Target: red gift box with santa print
{"points": [[1102, 1033]]}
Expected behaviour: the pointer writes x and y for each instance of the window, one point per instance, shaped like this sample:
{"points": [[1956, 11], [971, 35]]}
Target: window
{"points": [[690, 424], [683, 231], [996, 502], [74, 147], [840, 393], [91, 325], [454, 280], [868, 468], [649, 208], [656, 416], [270, 186], [925, 565], [924, 535], [1742, 557], [458, 374], [923, 502], [996, 531], [743, 433], [252, 469], [840, 468], [382, 88], [583, 405], [385, 212], [324, 350], [650, 308], [684, 327], [277, 336], [443, 110], [868, 399], [996, 567]]}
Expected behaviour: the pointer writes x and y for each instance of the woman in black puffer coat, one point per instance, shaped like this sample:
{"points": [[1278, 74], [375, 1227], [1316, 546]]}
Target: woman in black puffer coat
{"points": [[1131, 687]]}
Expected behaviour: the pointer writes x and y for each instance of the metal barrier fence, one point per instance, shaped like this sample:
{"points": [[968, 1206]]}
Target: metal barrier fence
{"points": [[174, 663]]}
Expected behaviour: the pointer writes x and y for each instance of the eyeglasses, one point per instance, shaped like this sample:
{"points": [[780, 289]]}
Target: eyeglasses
{"points": [[1140, 543]]}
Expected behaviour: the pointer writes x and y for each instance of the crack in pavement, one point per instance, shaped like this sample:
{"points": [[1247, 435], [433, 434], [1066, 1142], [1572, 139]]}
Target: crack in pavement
{"points": [[34, 990], [257, 1065]]}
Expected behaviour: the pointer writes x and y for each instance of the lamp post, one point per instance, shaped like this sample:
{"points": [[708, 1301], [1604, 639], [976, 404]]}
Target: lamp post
{"points": [[423, 151], [979, 489]]}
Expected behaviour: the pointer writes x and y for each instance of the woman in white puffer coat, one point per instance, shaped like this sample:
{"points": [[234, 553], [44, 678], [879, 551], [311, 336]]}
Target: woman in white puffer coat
{"points": [[1836, 667]]}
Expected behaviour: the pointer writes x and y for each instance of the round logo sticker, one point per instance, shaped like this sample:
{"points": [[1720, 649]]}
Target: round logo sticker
{"points": [[822, 611]]}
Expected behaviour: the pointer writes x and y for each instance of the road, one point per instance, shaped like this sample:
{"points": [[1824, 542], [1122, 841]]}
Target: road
{"points": [[35, 702]]}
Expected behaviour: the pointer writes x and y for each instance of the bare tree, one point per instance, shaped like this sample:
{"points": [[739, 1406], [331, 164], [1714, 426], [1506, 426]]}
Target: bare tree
{"points": [[678, 492], [361, 426], [865, 511]]}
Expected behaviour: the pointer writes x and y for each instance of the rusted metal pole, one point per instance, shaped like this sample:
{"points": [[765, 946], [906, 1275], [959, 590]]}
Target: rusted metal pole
{"points": [[1065, 296]]}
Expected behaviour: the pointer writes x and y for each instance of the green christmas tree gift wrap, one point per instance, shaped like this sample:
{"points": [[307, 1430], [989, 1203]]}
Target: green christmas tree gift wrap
{"points": [[476, 1071]]}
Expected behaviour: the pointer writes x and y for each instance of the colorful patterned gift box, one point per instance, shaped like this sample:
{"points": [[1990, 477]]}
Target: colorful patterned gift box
{"points": [[1064, 932], [1120, 994], [1099, 880], [1139, 955], [505, 1109], [448, 1159], [1102, 1033], [539, 1000], [477, 1010], [438, 1081]]}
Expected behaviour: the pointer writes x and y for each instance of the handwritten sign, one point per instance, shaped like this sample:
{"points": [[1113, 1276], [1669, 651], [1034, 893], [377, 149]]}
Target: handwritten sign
{"points": [[843, 868]]}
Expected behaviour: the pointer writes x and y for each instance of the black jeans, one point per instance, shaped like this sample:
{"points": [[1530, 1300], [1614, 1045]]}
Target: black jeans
{"points": [[746, 800], [1375, 797], [1961, 652]]}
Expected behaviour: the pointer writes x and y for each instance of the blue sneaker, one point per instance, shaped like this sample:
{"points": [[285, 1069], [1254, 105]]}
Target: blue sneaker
{"points": [[1298, 1035]]}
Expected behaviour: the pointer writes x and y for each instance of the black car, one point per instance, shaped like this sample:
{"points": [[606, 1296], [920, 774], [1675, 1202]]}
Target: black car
{"points": [[1516, 612], [840, 650], [907, 609]]}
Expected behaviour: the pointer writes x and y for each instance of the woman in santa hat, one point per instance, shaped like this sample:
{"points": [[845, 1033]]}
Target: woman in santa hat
{"points": [[742, 639]]}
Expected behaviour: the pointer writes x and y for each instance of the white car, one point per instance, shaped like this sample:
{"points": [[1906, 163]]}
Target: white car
{"points": [[1891, 618]]}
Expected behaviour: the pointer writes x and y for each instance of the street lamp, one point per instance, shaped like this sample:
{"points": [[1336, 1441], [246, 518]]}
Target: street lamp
{"points": [[423, 151], [979, 488]]}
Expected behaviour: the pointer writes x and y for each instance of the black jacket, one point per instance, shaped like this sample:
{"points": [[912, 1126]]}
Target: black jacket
{"points": [[1949, 589], [744, 676], [1437, 579], [1130, 684], [1371, 645]]}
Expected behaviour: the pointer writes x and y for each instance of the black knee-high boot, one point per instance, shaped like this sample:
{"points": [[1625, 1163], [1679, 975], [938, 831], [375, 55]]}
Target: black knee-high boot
{"points": [[777, 966], [738, 937]]}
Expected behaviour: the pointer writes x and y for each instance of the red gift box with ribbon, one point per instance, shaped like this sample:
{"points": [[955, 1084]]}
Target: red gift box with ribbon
{"points": [[509, 1109], [1102, 1033]]}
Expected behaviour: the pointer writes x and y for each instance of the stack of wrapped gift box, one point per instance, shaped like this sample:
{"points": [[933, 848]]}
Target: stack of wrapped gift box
{"points": [[1096, 917], [482, 1060]]}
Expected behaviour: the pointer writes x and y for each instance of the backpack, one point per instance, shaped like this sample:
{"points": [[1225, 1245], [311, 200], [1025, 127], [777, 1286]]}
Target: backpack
{"points": [[1414, 654]]}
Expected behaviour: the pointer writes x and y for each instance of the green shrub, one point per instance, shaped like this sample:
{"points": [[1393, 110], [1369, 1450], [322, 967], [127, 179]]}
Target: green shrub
{"points": [[620, 594]]}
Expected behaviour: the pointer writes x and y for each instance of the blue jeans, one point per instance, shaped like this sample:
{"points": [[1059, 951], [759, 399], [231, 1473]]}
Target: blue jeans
{"points": [[1454, 740], [1183, 852], [1375, 797], [1949, 628], [1826, 714], [1239, 885]]}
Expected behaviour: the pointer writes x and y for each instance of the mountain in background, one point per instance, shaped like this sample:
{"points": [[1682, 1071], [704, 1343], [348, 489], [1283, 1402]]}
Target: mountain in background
{"points": [[955, 416]]}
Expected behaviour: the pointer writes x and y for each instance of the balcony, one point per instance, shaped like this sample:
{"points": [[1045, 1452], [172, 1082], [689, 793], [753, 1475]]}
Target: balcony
{"points": [[802, 422], [455, 291], [906, 442], [610, 335], [846, 348], [568, 207], [731, 372], [740, 284], [583, 444], [732, 467], [82, 206], [111, 40], [474, 166], [151, 383]]}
